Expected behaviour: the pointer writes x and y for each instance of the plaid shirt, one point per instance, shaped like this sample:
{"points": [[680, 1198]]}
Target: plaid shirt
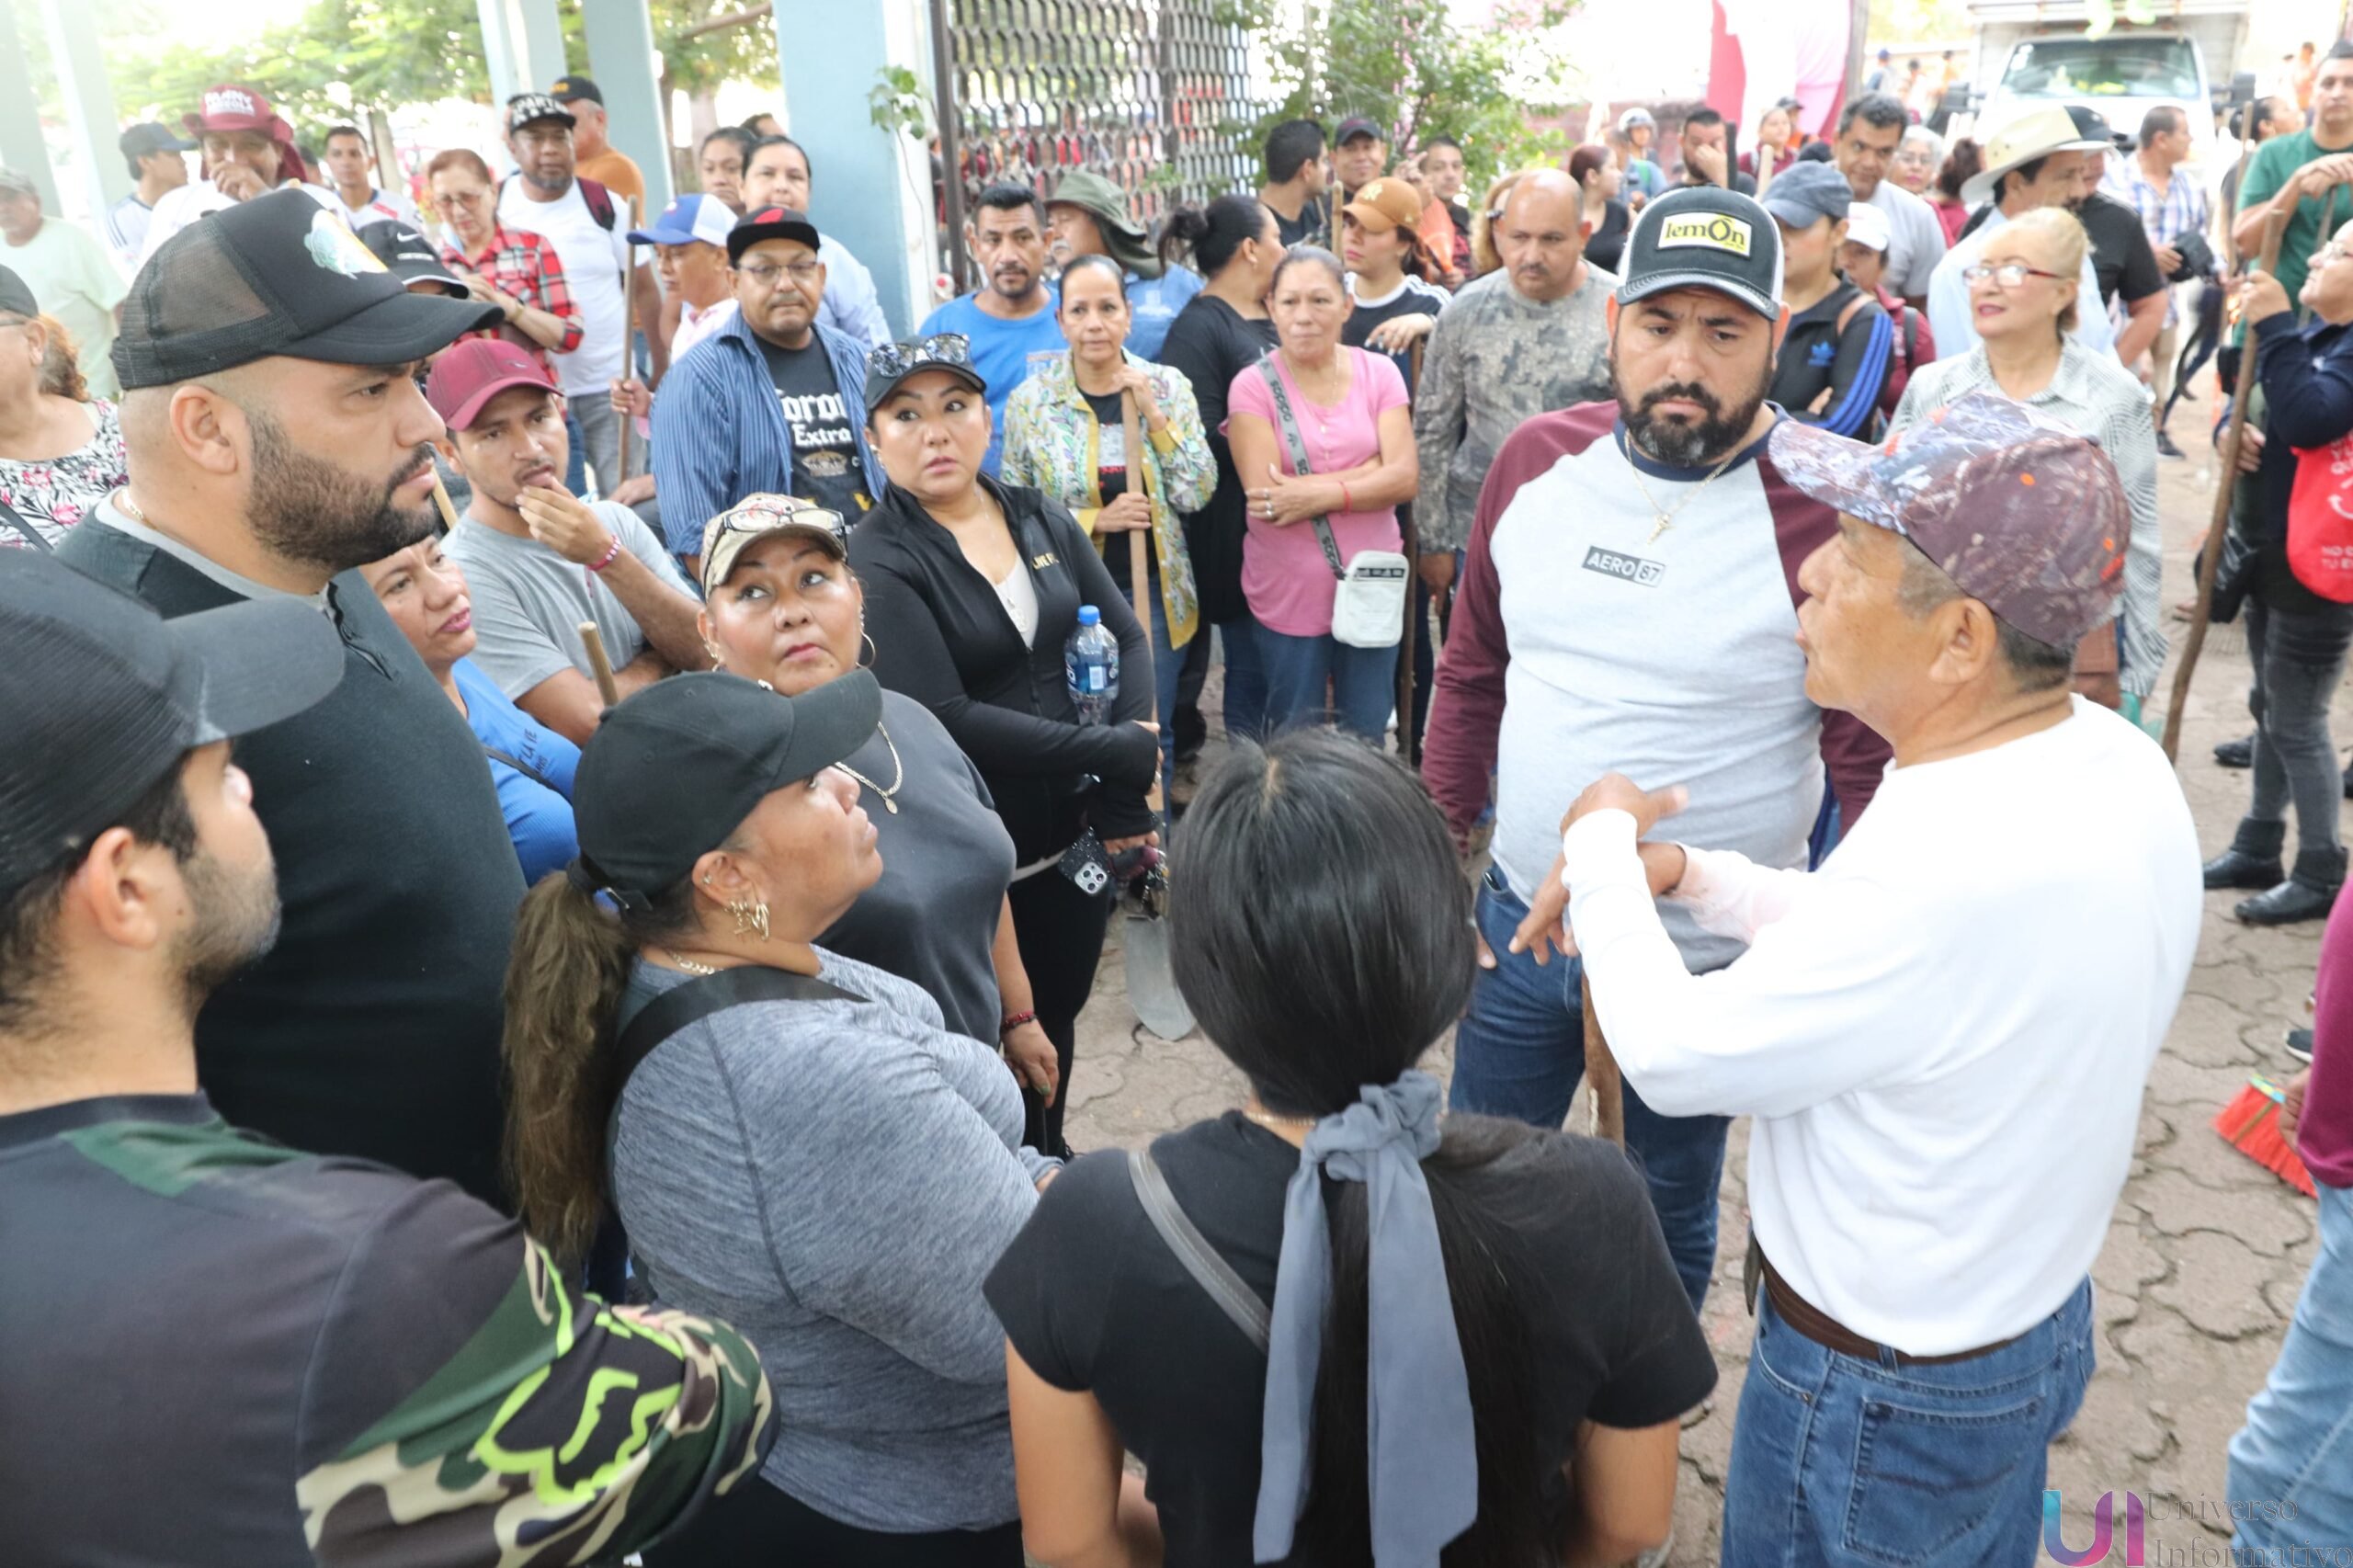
{"points": [[2178, 210], [527, 267]]}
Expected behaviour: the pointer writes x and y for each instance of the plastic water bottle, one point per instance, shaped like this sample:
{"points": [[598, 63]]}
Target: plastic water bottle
{"points": [[1091, 660]]}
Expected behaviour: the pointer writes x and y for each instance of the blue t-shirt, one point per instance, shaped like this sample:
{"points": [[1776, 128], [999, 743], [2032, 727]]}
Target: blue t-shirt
{"points": [[1152, 304], [1003, 352], [538, 818]]}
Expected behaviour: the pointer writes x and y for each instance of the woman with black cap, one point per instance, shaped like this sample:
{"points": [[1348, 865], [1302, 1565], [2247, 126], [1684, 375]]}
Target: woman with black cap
{"points": [[972, 588], [785, 1133], [1331, 1332], [782, 608]]}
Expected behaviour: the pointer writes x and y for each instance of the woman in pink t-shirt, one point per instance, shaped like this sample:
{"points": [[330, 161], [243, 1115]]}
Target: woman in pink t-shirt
{"points": [[1351, 407]]}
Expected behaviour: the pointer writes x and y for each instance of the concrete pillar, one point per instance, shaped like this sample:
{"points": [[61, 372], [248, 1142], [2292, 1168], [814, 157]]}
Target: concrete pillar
{"points": [[628, 72], [21, 147], [523, 43], [90, 100], [871, 190]]}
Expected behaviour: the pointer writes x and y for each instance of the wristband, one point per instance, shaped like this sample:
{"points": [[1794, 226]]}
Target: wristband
{"points": [[1013, 1021], [606, 559]]}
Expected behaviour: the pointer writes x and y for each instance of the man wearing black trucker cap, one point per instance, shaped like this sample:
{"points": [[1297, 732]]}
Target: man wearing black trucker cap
{"points": [[315, 1361], [277, 438]]}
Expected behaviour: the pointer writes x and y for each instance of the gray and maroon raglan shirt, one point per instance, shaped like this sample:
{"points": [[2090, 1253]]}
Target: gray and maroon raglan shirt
{"points": [[1586, 641]]}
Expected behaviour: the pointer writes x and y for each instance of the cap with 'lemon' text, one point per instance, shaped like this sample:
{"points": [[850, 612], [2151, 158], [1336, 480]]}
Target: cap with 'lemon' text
{"points": [[1706, 237]]}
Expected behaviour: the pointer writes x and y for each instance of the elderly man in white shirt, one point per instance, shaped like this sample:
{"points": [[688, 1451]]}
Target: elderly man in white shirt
{"points": [[1942, 1031]]}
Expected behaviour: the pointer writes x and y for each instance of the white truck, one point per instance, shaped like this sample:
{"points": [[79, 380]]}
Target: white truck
{"points": [[2031, 52]]}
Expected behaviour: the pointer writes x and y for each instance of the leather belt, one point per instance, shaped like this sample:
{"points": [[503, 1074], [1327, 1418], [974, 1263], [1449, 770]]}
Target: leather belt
{"points": [[1814, 1324]]}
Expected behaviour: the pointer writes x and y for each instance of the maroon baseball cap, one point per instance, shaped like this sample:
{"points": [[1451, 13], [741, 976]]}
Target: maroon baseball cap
{"points": [[476, 370], [233, 107], [2019, 510]]}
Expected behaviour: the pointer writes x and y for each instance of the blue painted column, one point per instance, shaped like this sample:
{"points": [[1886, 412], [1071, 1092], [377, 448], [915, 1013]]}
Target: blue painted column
{"points": [[21, 147], [523, 45], [621, 57], [871, 189], [90, 100]]}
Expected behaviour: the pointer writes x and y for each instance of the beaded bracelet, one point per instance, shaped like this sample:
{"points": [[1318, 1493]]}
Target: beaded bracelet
{"points": [[1013, 1021]]}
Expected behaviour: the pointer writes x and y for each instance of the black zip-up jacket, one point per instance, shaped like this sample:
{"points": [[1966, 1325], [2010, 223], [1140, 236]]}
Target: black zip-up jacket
{"points": [[942, 637]]}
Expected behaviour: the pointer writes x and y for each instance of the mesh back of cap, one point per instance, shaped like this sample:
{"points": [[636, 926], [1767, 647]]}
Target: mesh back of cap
{"points": [[192, 311]]}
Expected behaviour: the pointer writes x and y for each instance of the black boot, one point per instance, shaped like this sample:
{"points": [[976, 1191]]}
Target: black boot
{"points": [[2306, 895], [2253, 858], [2239, 752]]}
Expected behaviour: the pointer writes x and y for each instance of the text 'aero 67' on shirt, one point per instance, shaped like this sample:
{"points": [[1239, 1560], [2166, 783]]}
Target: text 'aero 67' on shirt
{"points": [[1586, 640]]}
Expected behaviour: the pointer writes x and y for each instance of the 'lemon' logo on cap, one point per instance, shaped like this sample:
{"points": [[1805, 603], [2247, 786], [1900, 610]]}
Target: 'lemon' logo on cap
{"points": [[1716, 230]]}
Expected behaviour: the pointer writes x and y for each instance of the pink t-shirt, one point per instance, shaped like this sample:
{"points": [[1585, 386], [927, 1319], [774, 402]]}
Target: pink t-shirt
{"points": [[1284, 575]]}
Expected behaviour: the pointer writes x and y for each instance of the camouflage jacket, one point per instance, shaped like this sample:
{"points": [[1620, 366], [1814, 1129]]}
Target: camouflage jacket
{"points": [[242, 1354]]}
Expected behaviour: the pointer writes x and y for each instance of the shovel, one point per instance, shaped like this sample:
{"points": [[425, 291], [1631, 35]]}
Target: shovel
{"points": [[1152, 982]]}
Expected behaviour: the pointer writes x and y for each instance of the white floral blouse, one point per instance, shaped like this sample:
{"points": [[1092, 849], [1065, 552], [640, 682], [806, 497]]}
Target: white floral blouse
{"points": [[54, 494]]}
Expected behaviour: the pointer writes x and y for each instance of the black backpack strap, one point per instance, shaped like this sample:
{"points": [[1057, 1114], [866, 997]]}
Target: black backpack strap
{"points": [[1210, 1270], [519, 765], [705, 994], [16, 522]]}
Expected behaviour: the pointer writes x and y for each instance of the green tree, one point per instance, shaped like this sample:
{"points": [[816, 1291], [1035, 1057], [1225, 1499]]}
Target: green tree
{"points": [[1411, 68]]}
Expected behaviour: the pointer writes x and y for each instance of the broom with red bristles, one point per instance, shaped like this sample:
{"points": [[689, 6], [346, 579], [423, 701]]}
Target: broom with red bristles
{"points": [[2250, 1124]]}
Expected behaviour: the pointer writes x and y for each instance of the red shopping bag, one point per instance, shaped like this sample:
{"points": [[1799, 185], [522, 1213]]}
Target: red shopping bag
{"points": [[2320, 519]]}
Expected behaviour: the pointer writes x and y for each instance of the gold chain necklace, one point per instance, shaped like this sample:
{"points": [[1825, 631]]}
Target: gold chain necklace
{"points": [[690, 965], [1267, 1119], [898, 772], [1666, 518]]}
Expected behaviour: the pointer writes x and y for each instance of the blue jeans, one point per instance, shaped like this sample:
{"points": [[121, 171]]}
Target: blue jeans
{"points": [[1519, 1052], [1363, 681], [1839, 1462], [1245, 676], [2297, 1444]]}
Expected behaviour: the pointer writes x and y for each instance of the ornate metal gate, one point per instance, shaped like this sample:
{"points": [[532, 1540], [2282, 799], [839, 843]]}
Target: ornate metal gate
{"points": [[1152, 93]]}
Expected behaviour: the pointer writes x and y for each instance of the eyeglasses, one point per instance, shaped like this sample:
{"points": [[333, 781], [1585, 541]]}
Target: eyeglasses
{"points": [[2009, 275], [766, 275], [940, 348], [765, 514], [2332, 252]]}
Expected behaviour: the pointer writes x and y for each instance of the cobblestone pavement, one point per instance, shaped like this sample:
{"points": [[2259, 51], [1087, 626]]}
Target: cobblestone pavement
{"points": [[2205, 1253]]}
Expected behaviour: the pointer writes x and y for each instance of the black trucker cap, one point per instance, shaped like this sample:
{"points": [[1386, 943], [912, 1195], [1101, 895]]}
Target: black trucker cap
{"points": [[675, 768], [278, 275], [1706, 237], [101, 697]]}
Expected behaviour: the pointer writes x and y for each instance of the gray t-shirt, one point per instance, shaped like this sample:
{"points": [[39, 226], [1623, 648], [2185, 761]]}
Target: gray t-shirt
{"points": [[836, 1178], [528, 601], [1916, 241], [1495, 360], [946, 861]]}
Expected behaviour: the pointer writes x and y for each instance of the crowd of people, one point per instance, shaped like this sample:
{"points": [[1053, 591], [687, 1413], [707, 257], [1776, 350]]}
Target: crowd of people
{"points": [[548, 879]]}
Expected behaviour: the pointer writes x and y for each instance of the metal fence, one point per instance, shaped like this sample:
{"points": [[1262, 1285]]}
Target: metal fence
{"points": [[1149, 93]]}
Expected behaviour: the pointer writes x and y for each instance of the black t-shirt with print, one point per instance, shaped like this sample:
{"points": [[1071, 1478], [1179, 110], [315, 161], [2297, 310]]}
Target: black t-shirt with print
{"points": [[825, 466], [1111, 474], [1093, 1299]]}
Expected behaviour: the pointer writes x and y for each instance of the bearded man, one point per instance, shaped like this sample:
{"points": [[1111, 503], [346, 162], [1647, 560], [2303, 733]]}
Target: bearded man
{"points": [[1629, 601], [277, 438]]}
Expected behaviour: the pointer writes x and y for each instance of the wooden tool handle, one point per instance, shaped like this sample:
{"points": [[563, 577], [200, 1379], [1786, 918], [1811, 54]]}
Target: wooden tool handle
{"points": [[2225, 488], [442, 499], [1139, 568], [606, 688], [1601, 1076]]}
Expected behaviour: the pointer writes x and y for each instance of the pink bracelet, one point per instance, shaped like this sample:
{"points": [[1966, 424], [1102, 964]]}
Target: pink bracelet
{"points": [[606, 559]]}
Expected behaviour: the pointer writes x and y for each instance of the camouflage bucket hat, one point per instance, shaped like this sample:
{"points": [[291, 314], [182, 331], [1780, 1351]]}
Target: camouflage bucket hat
{"points": [[2019, 510]]}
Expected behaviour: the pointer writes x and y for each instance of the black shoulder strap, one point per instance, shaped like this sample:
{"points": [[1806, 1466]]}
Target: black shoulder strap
{"points": [[17, 523], [1209, 1269], [1295, 446], [519, 765], [705, 994]]}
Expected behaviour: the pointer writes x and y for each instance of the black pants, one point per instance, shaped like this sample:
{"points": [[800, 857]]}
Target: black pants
{"points": [[756, 1525], [1059, 930]]}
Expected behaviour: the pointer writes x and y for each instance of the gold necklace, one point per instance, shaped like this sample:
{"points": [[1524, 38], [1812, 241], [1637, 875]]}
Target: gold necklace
{"points": [[1267, 1119], [688, 964], [898, 772], [1666, 518]]}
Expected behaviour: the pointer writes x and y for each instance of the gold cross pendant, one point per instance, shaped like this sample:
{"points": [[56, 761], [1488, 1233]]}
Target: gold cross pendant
{"points": [[1664, 524]]}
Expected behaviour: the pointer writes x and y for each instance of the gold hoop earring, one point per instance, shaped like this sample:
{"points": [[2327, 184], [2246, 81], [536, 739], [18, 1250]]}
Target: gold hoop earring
{"points": [[872, 652], [750, 916]]}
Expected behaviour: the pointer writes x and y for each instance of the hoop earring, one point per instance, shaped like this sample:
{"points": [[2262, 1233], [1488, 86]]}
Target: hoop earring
{"points": [[718, 659], [872, 652], [750, 916]]}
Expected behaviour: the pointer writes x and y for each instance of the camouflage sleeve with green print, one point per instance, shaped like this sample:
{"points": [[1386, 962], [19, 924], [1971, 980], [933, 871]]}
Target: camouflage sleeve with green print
{"points": [[466, 1405]]}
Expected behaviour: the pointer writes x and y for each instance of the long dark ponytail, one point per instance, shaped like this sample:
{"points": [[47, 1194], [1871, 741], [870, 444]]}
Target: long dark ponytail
{"points": [[1322, 932], [565, 978]]}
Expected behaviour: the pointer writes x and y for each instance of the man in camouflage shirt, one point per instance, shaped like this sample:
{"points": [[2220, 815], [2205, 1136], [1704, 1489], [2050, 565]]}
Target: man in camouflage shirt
{"points": [[1519, 342], [216, 1349]]}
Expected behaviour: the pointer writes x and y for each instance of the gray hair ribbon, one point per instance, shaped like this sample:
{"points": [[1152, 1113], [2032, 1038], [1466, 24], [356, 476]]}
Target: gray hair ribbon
{"points": [[1423, 1459]]}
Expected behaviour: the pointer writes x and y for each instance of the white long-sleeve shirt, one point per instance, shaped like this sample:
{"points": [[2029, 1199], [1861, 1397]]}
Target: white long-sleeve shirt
{"points": [[1941, 1033]]}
